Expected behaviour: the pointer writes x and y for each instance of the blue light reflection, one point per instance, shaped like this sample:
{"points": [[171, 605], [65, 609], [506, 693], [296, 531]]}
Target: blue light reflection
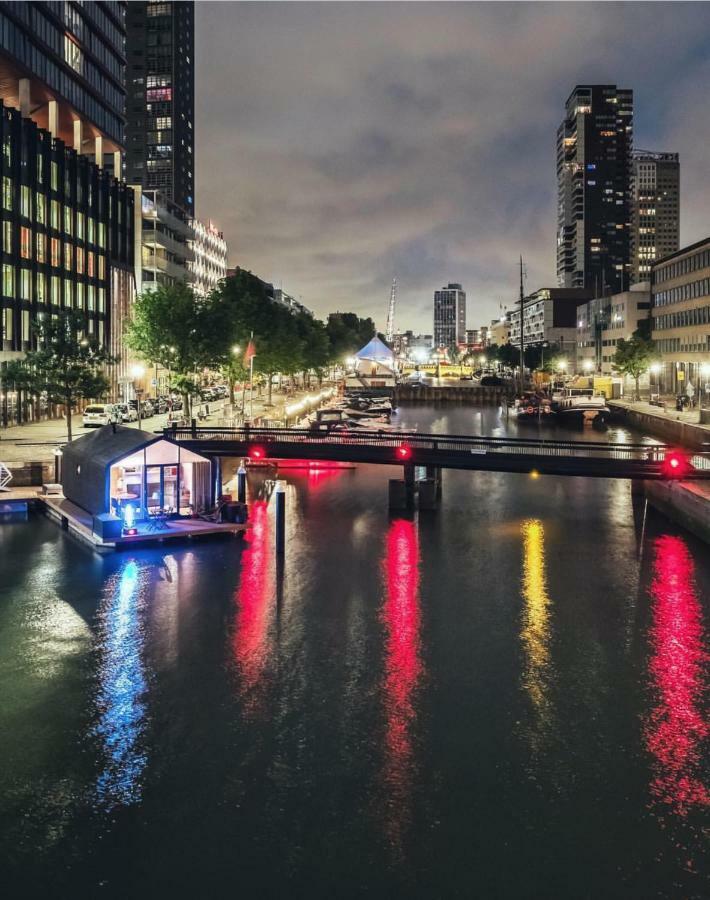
{"points": [[122, 689]]}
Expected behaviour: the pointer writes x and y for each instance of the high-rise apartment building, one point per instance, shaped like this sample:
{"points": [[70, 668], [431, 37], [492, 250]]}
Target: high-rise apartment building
{"points": [[594, 145], [655, 229], [67, 224], [160, 106], [450, 316], [208, 265]]}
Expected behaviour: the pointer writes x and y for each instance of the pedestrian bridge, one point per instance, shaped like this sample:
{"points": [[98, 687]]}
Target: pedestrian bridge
{"points": [[596, 459]]}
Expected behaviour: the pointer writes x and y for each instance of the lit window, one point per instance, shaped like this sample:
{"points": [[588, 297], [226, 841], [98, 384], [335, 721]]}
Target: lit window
{"points": [[25, 284], [67, 220], [41, 246], [8, 280], [39, 281], [26, 202], [54, 252], [55, 176], [67, 293], [68, 256], [55, 290], [7, 192], [72, 54], [41, 209], [90, 270], [25, 243], [54, 215], [80, 260]]}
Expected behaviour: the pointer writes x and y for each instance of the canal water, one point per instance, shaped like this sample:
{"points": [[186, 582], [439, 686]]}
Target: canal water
{"points": [[507, 698]]}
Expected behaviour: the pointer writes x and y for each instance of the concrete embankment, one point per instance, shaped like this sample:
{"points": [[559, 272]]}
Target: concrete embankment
{"points": [[667, 426], [686, 503]]}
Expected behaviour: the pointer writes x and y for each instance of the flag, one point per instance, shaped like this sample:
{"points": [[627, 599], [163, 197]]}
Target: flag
{"points": [[249, 353]]}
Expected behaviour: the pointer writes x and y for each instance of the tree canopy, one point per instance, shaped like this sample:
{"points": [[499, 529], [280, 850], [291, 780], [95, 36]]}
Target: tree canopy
{"points": [[634, 357], [67, 366], [347, 333]]}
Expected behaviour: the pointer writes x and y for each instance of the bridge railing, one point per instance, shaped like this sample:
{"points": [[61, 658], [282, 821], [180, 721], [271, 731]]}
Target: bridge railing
{"points": [[372, 437]]}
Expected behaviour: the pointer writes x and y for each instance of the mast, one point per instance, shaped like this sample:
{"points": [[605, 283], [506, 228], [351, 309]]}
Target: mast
{"points": [[522, 342], [389, 334]]}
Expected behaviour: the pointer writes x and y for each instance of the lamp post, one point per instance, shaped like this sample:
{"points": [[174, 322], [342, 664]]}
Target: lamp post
{"points": [[703, 389], [654, 369], [57, 453], [137, 372]]}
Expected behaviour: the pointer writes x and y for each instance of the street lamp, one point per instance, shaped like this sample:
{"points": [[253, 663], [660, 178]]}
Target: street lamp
{"points": [[588, 365], [136, 373], [57, 453], [236, 349], [482, 360]]}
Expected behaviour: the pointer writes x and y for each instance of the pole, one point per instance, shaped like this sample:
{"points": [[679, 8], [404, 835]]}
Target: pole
{"points": [[522, 342], [280, 518], [242, 484], [251, 387]]}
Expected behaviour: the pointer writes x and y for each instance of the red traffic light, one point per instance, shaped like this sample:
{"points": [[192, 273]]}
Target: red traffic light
{"points": [[676, 464], [256, 453], [404, 452]]}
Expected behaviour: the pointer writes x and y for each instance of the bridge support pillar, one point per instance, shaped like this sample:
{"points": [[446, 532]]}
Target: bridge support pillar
{"points": [[397, 494], [242, 485], [410, 485], [433, 473]]}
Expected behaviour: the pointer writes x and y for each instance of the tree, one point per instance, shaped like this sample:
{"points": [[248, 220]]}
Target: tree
{"points": [[67, 366], [347, 333], [633, 358], [181, 331], [509, 355], [315, 346]]}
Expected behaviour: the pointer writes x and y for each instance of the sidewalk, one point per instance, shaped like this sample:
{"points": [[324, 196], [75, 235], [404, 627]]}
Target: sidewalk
{"points": [[688, 417]]}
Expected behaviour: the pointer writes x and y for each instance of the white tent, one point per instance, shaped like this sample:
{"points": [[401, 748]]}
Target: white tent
{"points": [[376, 351]]}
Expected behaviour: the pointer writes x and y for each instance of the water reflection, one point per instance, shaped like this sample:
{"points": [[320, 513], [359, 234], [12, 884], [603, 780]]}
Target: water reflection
{"points": [[676, 728], [535, 633], [121, 696], [402, 674], [254, 608]]}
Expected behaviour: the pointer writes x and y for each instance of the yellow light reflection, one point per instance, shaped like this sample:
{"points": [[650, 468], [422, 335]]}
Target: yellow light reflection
{"points": [[535, 633]]}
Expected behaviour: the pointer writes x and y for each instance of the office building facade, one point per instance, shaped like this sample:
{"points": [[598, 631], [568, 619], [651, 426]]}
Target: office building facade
{"points": [[594, 145], [67, 224], [603, 321], [208, 265], [680, 309], [549, 316], [164, 239], [160, 107], [450, 316], [655, 227]]}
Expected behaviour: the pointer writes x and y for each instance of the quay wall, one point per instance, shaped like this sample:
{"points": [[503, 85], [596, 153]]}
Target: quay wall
{"points": [[662, 425], [31, 474], [686, 503], [475, 395]]}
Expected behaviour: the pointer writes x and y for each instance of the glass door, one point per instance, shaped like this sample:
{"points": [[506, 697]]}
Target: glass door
{"points": [[154, 488], [170, 488]]}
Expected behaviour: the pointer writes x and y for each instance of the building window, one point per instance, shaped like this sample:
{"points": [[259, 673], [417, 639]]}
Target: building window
{"points": [[67, 220], [26, 202], [6, 192], [72, 54], [54, 176], [90, 230], [67, 293], [80, 226], [55, 290], [25, 325], [8, 280], [7, 329], [7, 236], [25, 243], [90, 294], [102, 300], [80, 296], [40, 170], [25, 284], [102, 267], [80, 260], [39, 281], [54, 215], [41, 208], [54, 252], [102, 235], [7, 150], [91, 271], [68, 256], [40, 242]]}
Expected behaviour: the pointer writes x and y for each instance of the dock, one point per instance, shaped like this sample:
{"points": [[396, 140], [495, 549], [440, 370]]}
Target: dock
{"points": [[78, 522]]}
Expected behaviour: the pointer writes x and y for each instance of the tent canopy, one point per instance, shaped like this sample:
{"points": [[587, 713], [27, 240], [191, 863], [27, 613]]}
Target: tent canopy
{"points": [[376, 351]]}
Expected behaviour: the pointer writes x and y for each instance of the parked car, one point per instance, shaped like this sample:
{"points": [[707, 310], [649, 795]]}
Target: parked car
{"points": [[147, 409], [491, 381], [128, 413], [99, 414]]}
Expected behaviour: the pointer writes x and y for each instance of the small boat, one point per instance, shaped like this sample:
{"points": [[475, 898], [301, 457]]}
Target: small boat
{"points": [[534, 409]]}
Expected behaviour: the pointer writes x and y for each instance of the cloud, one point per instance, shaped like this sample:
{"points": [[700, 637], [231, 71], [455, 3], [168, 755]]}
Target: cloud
{"points": [[339, 144]]}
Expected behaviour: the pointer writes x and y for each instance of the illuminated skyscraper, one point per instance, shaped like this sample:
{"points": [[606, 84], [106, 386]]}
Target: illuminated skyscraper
{"points": [[160, 108], [594, 144]]}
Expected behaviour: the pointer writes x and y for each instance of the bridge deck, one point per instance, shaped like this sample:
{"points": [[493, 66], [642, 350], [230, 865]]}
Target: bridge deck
{"points": [[548, 457]]}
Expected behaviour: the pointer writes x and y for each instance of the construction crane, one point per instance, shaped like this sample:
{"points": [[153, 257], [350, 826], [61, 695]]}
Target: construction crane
{"points": [[389, 334]]}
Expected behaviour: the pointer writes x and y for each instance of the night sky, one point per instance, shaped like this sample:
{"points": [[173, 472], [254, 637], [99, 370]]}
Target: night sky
{"points": [[341, 143]]}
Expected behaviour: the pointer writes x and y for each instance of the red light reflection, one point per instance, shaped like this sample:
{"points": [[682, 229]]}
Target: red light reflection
{"points": [[676, 727], [403, 671], [254, 607]]}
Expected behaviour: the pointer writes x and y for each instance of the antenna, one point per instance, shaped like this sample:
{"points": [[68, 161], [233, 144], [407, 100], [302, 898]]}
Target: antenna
{"points": [[389, 334], [522, 342]]}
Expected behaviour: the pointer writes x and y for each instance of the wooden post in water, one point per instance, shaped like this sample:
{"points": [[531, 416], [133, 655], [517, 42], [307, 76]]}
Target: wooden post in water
{"points": [[280, 518], [242, 484]]}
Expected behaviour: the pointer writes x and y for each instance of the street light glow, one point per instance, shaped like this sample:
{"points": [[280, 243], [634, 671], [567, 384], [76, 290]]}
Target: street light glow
{"points": [[588, 365], [137, 371], [655, 368], [236, 349]]}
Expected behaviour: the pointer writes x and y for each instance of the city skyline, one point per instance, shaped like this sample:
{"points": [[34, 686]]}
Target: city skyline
{"points": [[400, 151]]}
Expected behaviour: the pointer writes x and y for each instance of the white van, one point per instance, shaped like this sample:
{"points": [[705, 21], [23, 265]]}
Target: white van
{"points": [[99, 414]]}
